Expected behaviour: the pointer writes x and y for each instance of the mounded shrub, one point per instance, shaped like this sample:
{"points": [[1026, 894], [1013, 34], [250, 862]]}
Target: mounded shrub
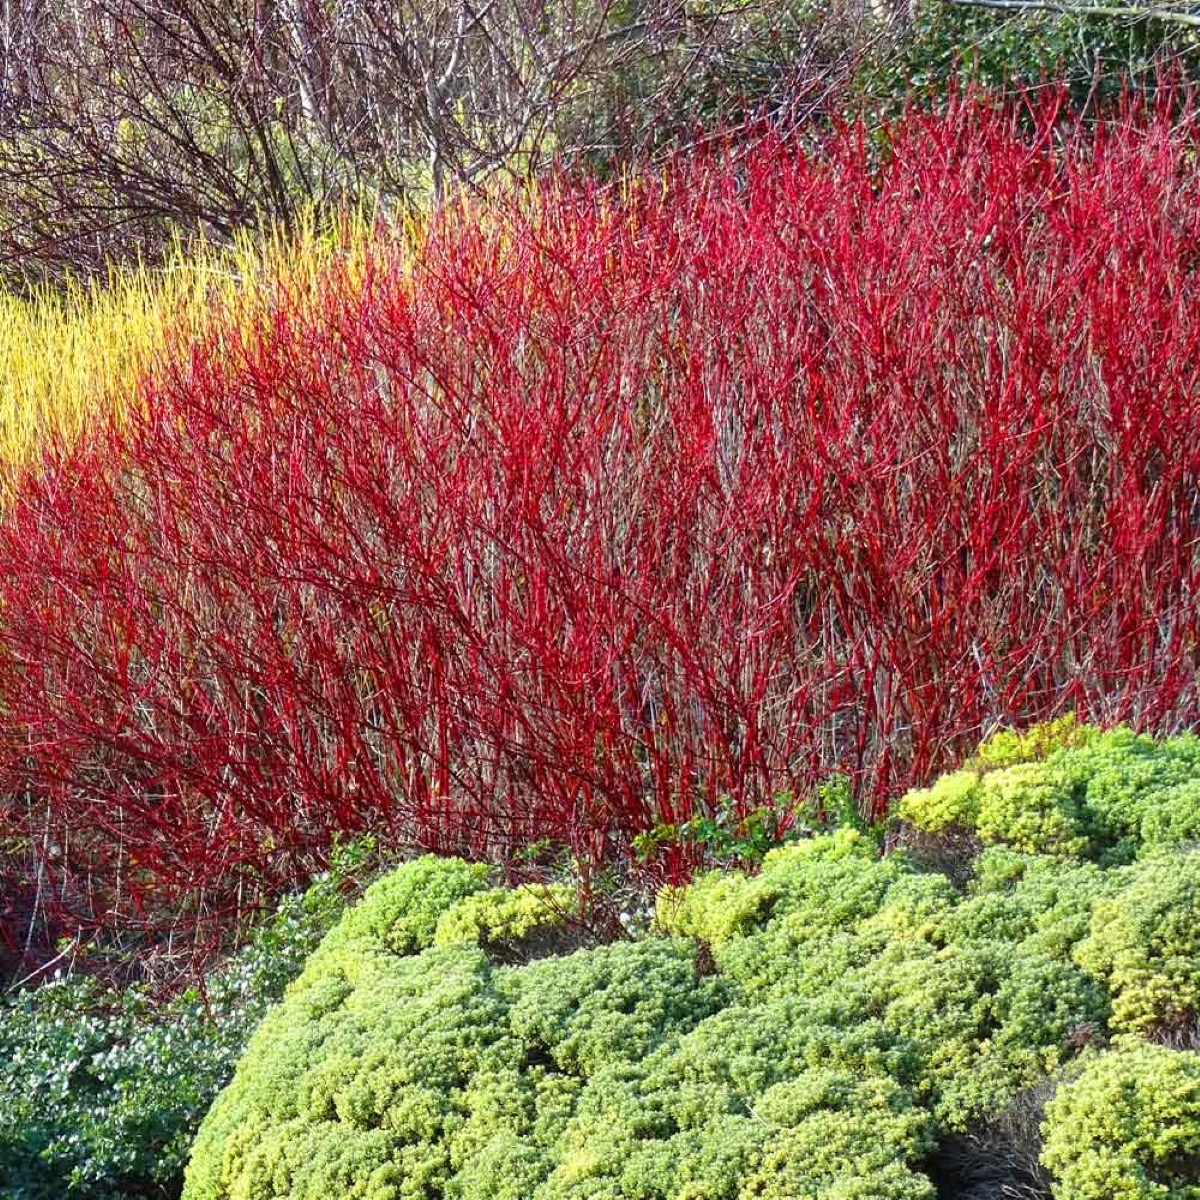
{"points": [[1069, 791], [630, 1069], [1144, 942], [501, 916], [1128, 1128], [815, 1029]]}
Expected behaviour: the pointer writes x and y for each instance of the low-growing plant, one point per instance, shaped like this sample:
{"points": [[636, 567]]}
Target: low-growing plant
{"points": [[627, 1068], [734, 836], [1128, 1127], [1144, 942], [504, 916], [1075, 791], [824, 1026], [103, 1088]]}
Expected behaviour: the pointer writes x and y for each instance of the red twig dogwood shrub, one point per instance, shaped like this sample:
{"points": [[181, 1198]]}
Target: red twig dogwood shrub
{"points": [[596, 507]]}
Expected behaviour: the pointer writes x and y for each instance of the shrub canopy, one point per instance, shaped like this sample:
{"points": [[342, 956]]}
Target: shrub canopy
{"points": [[614, 508]]}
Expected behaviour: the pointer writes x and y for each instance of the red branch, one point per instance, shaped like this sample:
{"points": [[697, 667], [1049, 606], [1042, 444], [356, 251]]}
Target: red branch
{"points": [[604, 509]]}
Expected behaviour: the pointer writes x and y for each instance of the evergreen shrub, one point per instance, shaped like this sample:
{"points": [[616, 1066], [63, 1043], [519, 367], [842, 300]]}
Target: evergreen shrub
{"points": [[818, 1029]]}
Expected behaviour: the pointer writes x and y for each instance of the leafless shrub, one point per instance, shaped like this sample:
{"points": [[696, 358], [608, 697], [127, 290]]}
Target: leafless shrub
{"points": [[123, 122], [951, 852], [1181, 1034]]}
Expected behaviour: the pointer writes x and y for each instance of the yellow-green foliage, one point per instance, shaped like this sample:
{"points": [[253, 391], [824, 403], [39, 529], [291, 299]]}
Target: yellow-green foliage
{"points": [[506, 915], [1104, 794], [809, 1031], [400, 913], [1042, 903], [1022, 805], [69, 359], [1128, 1128], [400, 1067], [952, 800], [1144, 943], [967, 798], [1011, 746], [716, 907], [818, 883]]}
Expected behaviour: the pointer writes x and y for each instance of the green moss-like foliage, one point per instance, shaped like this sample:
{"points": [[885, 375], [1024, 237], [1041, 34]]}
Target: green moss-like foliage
{"points": [[1128, 1128], [1144, 943], [1008, 747], [400, 912], [627, 1070], [952, 800], [812, 1030], [1070, 791], [818, 883], [504, 915]]}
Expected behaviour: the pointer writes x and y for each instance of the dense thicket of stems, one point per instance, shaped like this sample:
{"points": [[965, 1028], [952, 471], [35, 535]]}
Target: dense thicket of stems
{"points": [[597, 507], [124, 121]]}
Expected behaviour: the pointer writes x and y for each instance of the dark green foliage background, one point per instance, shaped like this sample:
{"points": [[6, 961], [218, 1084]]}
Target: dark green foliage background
{"points": [[101, 1090]]}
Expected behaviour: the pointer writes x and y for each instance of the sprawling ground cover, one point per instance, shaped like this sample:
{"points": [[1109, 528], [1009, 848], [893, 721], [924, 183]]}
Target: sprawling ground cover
{"points": [[839, 1025], [601, 506], [1035, 907], [103, 1088]]}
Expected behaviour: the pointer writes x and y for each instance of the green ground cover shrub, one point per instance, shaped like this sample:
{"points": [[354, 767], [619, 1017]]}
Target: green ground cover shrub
{"points": [[821, 1028], [102, 1089], [1144, 943], [1107, 796], [1128, 1128]]}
